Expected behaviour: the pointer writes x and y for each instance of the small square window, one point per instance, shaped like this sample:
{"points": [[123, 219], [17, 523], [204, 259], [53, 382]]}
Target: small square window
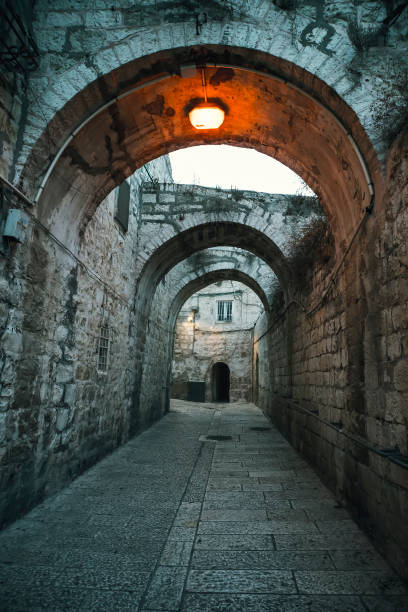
{"points": [[224, 311]]}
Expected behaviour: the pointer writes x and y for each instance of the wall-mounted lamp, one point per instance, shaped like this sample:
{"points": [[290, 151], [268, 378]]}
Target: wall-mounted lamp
{"points": [[206, 115]]}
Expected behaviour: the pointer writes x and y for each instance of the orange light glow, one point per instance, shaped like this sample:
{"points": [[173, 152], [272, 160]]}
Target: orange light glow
{"points": [[206, 116]]}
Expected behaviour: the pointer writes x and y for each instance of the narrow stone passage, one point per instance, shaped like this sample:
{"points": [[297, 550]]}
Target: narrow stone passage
{"points": [[210, 509]]}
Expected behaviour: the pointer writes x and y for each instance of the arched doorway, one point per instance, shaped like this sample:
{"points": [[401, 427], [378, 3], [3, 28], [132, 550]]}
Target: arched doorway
{"points": [[220, 378]]}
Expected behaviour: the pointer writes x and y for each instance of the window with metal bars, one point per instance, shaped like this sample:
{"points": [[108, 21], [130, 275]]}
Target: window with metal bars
{"points": [[103, 348], [224, 311]]}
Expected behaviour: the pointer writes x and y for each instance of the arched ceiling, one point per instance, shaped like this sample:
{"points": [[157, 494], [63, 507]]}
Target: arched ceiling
{"points": [[299, 122], [224, 261], [206, 236], [204, 280]]}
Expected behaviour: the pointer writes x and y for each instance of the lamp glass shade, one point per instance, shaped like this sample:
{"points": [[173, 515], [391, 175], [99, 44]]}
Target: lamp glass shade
{"points": [[206, 116]]}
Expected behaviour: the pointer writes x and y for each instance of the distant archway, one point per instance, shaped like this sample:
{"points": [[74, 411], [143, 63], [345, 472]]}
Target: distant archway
{"points": [[220, 382]]}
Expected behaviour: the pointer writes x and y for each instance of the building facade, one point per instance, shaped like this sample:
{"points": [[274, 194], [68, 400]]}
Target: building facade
{"points": [[212, 358]]}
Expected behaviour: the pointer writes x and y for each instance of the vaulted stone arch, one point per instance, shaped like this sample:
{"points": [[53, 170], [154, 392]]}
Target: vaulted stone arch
{"points": [[169, 209], [204, 236], [160, 263], [221, 261], [212, 277], [183, 280], [114, 39], [273, 106]]}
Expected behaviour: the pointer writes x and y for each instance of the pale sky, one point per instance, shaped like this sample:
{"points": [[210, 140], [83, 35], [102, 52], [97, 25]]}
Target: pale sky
{"points": [[225, 166]]}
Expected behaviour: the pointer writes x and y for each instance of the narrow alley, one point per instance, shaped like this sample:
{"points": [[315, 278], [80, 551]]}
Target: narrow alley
{"points": [[210, 509]]}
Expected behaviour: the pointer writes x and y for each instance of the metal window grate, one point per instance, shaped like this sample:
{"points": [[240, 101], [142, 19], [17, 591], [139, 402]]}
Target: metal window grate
{"points": [[224, 311], [103, 349]]}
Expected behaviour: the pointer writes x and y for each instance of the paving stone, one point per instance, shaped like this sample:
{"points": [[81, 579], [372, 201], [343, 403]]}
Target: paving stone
{"points": [[247, 514], [251, 546], [333, 526], [230, 463], [273, 475], [269, 603], [197, 482], [234, 497], [349, 583], [254, 527], [121, 562], [357, 560], [262, 486], [224, 485], [176, 553], [109, 601], [33, 598], [31, 555], [221, 457], [301, 541], [214, 504], [102, 577], [234, 542], [233, 504], [15, 576], [315, 504], [386, 603], [296, 484], [240, 581], [189, 510], [275, 512], [216, 559], [297, 493], [183, 534], [234, 477], [326, 513], [166, 589]]}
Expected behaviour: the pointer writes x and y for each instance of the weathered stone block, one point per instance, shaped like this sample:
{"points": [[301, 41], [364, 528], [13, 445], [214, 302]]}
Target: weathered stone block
{"points": [[103, 19], [62, 419], [57, 393], [69, 394], [60, 19], [401, 376], [12, 342]]}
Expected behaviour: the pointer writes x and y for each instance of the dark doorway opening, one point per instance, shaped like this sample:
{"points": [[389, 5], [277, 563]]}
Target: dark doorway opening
{"points": [[220, 382]]}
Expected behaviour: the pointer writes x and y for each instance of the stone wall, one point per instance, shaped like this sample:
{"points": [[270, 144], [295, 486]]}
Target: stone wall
{"points": [[337, 380], [59, 414], [202, 342], [169, 209]]}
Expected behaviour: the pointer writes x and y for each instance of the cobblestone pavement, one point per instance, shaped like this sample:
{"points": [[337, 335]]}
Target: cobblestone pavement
{"points": [[174, 521]]}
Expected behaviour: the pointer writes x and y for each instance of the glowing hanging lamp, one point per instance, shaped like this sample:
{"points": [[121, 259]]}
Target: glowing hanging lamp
{"points": [[206, 115]]}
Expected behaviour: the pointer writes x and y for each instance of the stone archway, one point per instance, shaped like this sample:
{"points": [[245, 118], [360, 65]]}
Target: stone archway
{"points": [[306, 131], [164, 258]]}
